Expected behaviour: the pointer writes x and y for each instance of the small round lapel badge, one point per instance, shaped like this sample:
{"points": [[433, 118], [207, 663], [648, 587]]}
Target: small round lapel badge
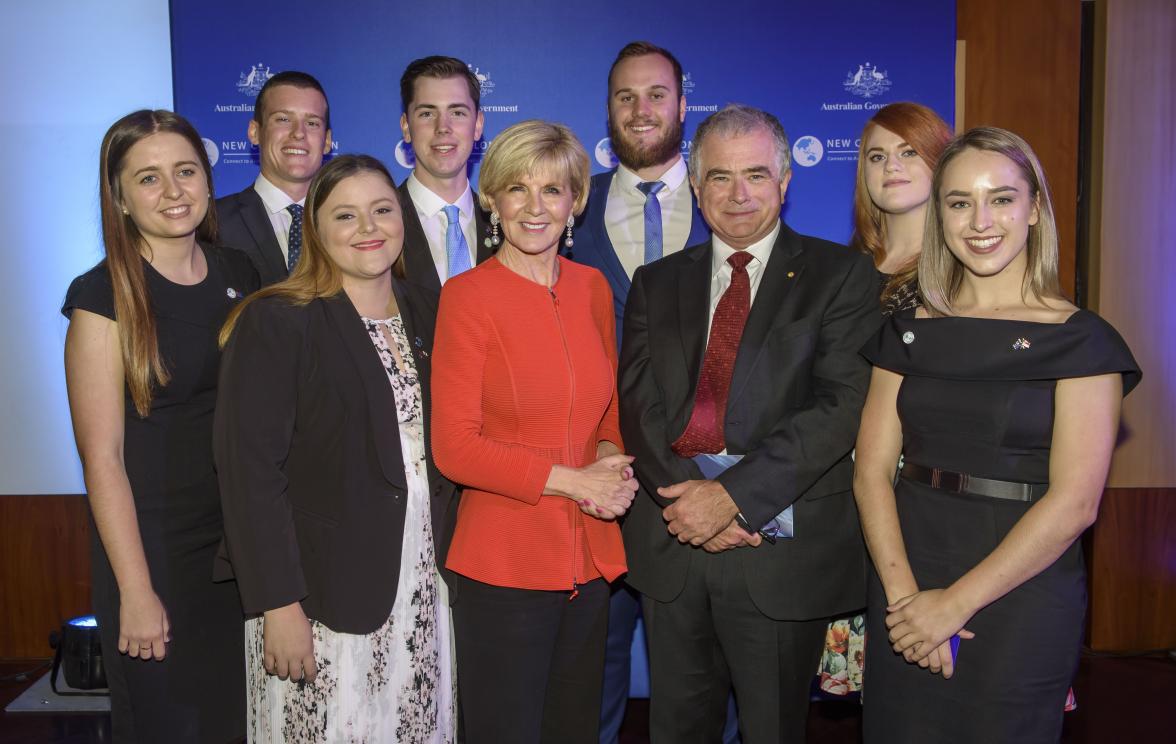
{"points": [[1021, 343], [908, 337], [232, 293]]}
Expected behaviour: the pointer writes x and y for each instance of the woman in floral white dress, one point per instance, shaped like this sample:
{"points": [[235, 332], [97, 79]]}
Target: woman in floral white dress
{"points": [[323, 463]]}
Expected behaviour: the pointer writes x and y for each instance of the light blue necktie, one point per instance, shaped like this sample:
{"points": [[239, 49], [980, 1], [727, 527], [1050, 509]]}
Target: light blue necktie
{"points": [[457, 250], [294, 239], [653, 221]]}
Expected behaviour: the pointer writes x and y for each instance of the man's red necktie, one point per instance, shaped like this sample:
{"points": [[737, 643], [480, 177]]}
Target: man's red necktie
{"points": [[704, 433]]}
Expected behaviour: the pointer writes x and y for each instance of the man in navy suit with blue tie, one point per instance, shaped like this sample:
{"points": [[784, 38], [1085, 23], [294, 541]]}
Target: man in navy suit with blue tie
{"points": [[637, 213], [643, 209]]}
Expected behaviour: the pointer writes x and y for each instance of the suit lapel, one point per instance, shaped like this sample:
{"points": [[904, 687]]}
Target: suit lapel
{"points": [[694, 278], [382, 402], [418, 311], [257, 222], [418, 328], [699, 232], [786, 258], [607, 259], [418, 261]]}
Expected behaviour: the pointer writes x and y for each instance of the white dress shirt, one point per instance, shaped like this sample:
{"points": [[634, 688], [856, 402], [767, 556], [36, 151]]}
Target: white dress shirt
{"points": [[624, 214], [276, 201], [760, 252], [433, 221]]}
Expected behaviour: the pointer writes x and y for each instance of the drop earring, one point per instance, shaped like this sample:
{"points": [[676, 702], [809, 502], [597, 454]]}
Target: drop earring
{"points": [[568, 242], [493, 240]]}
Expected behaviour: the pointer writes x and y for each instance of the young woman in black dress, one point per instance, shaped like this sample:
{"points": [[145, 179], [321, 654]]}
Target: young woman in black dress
{"points": [[1004, 399], [141, 368]]}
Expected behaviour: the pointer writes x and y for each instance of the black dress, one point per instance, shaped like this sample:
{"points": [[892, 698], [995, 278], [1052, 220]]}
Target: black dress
{"points": [[197, 693], [977, 397]]}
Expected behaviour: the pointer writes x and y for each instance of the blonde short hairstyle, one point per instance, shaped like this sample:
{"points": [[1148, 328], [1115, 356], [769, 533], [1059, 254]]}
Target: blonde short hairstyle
{"points": [[940, 273], [527, 147]]}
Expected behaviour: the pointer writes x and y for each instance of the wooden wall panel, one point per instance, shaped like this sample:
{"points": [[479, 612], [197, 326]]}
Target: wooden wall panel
{"points": [[1133, 576], [1136, 228], [1021, 72], [44, 570]]}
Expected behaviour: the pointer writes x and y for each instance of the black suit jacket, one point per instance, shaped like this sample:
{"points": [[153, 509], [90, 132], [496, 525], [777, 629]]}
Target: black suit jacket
{"points": [[309, 461], [244, 224], [418, 261], [793, 410]]}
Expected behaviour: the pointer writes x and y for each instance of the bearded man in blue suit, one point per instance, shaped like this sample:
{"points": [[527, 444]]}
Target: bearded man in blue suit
{"points": [[643, 209], [637, 213]]}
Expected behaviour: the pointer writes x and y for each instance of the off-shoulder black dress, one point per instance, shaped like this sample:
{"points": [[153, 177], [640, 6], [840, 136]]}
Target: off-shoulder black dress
{"points": [[978, 398], [197, 693]]}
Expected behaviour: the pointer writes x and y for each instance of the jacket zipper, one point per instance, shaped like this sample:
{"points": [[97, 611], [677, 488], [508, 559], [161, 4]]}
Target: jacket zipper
{"points": [[571, 410]]}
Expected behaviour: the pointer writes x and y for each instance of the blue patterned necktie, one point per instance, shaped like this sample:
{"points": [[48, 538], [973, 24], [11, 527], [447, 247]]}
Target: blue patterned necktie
{"points": [[653, 219], [294, 241], [457, 250]]}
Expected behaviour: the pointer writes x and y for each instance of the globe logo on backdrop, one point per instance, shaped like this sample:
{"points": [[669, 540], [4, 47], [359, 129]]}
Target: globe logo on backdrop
{"points": [[868, 81], [479, 151], [605, 155], [405, 155], [212, 150], [807, 151], [251, 82]]}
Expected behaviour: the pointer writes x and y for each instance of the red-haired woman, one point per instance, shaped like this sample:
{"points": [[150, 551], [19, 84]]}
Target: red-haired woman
{"points": [[899, 147], [898, 151]]}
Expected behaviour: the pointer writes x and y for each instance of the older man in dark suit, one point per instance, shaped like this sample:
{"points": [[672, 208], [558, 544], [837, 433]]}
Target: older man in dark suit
{"points": [[746, 346], [291, 128]]}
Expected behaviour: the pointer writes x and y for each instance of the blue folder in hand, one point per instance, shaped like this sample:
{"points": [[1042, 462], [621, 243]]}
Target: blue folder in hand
{"points": [[712, 466]]}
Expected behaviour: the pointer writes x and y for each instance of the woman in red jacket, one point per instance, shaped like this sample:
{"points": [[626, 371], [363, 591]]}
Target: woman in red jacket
{"points": [[525, 418]]}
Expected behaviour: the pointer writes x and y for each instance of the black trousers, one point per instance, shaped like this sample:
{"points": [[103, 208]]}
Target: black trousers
{"points": [[711, 638], [529, 663]]}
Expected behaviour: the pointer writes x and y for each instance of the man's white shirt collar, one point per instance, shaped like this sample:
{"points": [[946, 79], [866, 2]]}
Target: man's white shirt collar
{"points": [[674, 177], [428, 204], [274, 199], [760, 250]]}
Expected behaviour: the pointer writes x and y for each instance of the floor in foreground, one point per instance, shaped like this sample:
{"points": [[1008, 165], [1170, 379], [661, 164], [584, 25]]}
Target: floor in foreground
{"points": [[1119, 699]]}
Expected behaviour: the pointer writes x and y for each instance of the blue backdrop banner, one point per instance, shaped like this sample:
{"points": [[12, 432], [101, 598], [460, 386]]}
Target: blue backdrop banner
{"points": [[822, 68]]}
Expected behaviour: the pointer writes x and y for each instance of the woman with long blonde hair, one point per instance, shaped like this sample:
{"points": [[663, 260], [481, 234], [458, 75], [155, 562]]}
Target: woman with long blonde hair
{"points": [[1007, 418]]}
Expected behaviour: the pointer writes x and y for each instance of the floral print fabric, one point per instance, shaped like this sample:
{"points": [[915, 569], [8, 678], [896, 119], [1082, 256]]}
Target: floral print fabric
{"points": [[397, 683]]}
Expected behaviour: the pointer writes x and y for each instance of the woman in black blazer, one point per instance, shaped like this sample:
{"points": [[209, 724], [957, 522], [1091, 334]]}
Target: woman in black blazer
{"points": [[334, 512]]}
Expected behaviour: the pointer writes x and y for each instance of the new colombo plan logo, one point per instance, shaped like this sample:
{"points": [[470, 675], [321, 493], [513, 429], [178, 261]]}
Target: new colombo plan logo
{"points": [[807, 151], [211, 150], [404, 155], [605, 155]]}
